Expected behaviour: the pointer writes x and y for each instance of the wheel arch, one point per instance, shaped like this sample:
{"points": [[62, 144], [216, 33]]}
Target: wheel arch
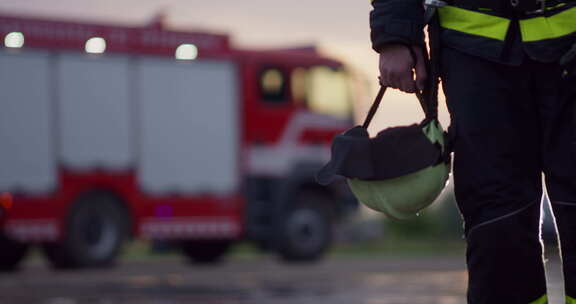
{"points": [[115, 196], [303, 179], [78, 249], [271, 197]]}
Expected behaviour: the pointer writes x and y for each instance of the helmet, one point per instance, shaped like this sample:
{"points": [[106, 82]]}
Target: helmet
{"points": [[400, 171]]}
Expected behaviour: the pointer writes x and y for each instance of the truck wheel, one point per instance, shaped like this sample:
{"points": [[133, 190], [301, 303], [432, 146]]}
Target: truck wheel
{"points": [[205, 251], [307, 230], [96, 229], [11, 253]]}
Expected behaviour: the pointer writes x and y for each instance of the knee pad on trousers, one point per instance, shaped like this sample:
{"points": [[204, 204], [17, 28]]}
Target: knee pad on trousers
{"points": [[505, 259], [527, 216]]}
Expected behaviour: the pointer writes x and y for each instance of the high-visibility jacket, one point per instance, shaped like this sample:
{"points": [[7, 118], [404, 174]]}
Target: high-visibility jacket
{"points": [[496, 32]]}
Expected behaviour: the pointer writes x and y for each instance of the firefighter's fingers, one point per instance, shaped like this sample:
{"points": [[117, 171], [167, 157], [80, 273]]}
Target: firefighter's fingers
{"points": [[407, 83], [389, 78], [395, 64], [420, 68], [394, 79], [384, 73]]}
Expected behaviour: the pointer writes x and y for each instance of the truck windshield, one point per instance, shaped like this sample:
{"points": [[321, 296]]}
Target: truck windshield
{"points": [[323, 90]]}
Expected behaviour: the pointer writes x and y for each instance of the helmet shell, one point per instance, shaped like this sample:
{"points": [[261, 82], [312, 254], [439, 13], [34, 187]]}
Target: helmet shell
{"points": [[403, 197]]}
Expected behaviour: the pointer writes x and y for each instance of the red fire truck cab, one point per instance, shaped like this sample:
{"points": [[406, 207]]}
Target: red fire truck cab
{"points": [[110, 133]]}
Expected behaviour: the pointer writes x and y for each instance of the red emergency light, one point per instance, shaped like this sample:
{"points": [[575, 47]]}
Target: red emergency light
{"points": [[6, 201]]}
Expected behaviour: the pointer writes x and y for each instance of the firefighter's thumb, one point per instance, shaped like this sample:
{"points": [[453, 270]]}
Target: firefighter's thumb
{"points": [[420, 68]]}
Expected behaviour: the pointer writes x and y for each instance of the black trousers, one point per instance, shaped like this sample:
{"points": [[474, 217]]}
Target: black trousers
{"points": [[512, 123]]}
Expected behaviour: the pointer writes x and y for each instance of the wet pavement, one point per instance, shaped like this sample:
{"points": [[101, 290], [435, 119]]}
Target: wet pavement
{"points": [[342, 280]]}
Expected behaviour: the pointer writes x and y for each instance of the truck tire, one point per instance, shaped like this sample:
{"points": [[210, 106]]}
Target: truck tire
{"points": [[96, 228], [11, 253], [306, 230], [205, 251]]}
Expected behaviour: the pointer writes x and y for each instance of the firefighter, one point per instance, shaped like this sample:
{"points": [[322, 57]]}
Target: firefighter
{"points": [[513, 120]]}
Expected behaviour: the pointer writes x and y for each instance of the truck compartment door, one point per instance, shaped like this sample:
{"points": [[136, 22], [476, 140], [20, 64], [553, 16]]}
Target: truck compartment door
{"points": [[189, 127], [27, 160], [94, 110]]}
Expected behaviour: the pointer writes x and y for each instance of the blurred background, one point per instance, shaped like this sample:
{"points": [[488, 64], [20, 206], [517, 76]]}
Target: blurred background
{"points": [[178, 141]]}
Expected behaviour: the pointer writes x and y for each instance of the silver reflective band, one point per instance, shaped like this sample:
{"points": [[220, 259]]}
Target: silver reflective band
{"points": [[435, 3], [542, 8], [431, 7]]}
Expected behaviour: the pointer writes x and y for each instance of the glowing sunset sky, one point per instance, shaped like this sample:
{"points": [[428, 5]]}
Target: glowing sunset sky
{"points": [[339, 28]]}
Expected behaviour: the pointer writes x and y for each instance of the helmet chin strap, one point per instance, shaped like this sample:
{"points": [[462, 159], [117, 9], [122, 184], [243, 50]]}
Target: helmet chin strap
{"points": [[374, 107], [427, 105]]}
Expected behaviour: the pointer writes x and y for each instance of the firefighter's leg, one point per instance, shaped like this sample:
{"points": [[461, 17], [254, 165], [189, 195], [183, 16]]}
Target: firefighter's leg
{"points": [[565, 214], [497, 176], [558, 104]]}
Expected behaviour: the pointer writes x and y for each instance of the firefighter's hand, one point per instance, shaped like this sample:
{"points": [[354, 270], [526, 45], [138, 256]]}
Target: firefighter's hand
{"points": [[397, 68]]}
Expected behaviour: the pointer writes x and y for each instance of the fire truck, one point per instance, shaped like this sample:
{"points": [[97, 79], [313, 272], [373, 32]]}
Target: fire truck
{"points": [[110, 133]]}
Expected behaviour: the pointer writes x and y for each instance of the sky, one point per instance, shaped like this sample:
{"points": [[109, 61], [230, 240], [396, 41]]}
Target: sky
{"points": [[338, 28]]}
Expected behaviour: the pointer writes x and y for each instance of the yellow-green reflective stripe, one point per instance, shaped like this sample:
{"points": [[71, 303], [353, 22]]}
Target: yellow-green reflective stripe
{"points": [[559, 5], [541, 300], [541, 28], [570, 300], [474, 23]]}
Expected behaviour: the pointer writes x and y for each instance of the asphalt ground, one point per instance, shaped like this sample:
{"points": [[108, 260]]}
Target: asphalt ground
{"points": [[262, 279]]}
